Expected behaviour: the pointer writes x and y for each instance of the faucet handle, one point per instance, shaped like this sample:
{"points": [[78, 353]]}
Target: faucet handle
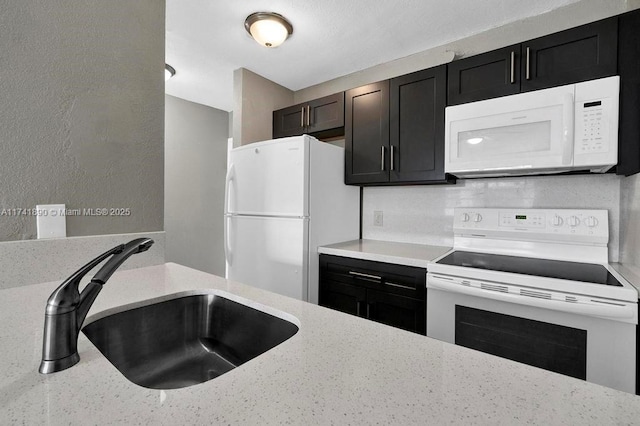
{"points": [[67, 297]]}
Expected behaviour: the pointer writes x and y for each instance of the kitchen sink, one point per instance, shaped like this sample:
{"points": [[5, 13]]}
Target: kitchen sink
{"points": [[186, 338]]}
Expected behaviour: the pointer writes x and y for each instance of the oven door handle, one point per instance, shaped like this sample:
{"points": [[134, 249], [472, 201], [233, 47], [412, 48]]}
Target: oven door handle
{"points": [[621, 311]]}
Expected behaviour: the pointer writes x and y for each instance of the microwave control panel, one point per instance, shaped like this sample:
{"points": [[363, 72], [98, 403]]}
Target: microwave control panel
{"points": [[596, 122], [592, 135]]}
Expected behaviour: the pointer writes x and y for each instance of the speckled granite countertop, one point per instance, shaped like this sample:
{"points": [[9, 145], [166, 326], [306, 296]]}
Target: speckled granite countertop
{"points": [[338, 369], [385, 251]]}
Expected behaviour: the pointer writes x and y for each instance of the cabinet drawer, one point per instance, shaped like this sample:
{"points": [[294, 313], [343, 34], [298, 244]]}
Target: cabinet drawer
{"points": [[396, 279]]}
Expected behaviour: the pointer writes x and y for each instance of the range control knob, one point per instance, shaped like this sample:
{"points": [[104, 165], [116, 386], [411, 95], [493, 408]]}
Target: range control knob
{"points": [[592, 222], [465, 217], [573, 221], [557, 221], [477, 217]]}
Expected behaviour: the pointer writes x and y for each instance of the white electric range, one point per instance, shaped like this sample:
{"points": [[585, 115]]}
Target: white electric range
{"points": [[534, 286]]}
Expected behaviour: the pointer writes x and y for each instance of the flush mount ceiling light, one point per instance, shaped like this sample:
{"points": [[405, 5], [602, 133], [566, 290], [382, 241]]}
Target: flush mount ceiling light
{"points": [[169, 72], [267, 28]]}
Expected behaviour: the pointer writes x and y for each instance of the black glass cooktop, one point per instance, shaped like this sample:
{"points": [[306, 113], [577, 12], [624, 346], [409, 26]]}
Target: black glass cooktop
{"points": [[574, 271]]}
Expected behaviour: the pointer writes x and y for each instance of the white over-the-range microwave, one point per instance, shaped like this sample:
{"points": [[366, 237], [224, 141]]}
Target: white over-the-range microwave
{"points": [[566, 128]]}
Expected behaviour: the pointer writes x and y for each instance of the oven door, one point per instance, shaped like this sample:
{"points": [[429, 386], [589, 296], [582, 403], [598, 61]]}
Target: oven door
{"points": [[590, 348]]}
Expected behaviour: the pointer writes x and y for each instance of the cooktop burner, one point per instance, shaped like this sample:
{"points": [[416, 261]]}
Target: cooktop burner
{"points": [[573, 271]]}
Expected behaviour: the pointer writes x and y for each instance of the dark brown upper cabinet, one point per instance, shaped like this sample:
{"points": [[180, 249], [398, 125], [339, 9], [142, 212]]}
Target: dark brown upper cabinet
{"points": [[367, 134], [394, 130], [322, 118], [416, 152], [578, 54], [485, 76]]}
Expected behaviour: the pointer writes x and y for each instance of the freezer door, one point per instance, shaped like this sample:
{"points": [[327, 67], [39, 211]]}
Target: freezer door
{"points": [[269, 178], [268, 252]]}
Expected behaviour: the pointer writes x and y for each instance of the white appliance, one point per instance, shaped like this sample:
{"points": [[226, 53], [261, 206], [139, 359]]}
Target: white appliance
{"points": [[572, 127], [283, 199], [534, 286]]}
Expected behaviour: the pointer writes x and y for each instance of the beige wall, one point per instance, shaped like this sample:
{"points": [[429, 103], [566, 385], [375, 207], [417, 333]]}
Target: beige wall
{"points": [[82, 112], [255, 98]]}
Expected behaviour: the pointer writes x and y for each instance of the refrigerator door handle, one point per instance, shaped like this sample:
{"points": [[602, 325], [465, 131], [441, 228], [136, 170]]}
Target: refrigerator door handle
{"points": [[231, 173], [228, 254]]}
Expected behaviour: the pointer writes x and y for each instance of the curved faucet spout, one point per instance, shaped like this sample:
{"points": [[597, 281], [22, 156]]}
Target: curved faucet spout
{"points": [[67, 308]]}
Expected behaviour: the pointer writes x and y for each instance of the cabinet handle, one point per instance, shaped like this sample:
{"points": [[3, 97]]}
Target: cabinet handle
{"points": [[527, 75], [302, 117], [392, 162], [358, 308], [308, 115], [382, 158], [368, 306], [360, 274], [399, 285], [513, 67]]}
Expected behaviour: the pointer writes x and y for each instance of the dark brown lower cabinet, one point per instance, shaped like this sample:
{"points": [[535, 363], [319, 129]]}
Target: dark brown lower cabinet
{"points": [[391, 294]]}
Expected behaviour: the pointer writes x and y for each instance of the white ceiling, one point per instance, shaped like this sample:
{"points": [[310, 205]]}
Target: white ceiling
{"points": [[206, 39]]}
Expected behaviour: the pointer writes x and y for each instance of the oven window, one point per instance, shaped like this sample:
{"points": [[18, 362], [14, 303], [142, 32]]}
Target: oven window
{"points": [[552, 347]]}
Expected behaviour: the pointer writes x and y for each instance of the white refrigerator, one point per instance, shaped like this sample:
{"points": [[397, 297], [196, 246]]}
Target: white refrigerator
{"points": [[283, 199]]}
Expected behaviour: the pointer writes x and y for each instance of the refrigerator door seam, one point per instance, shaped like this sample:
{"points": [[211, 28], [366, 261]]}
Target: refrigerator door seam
{"points": [[265, 215]]}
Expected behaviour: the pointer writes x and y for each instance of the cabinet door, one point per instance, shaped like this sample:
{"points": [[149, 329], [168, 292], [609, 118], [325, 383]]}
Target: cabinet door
{"points": [[367, 134], [343, 297], [417, 126], [288, 121], [489, 75], [397, 311], [325, 116], [579, 54], [629, 71]]}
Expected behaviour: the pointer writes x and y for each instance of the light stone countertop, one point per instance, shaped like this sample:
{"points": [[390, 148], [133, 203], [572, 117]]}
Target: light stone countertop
{"points": [[338, 369], [385, 251]]}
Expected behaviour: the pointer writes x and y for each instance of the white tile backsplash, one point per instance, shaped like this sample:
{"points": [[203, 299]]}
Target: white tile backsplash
{"points": [[424, 214]]}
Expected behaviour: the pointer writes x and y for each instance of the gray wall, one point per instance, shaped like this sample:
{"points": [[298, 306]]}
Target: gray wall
{"points": [[195, 169], [82, 111], [255, 98]]}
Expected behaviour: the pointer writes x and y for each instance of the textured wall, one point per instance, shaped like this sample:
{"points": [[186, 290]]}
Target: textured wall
{"points": [[37, 261], [572, 15], [81, 112], [195, 169], [255, 98]]}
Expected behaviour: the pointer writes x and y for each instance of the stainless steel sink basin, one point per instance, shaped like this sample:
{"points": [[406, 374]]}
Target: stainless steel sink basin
{"points": [[186, 338]]}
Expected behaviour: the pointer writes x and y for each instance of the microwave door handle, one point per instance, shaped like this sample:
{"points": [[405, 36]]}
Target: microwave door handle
{"points": [[567, 129]]}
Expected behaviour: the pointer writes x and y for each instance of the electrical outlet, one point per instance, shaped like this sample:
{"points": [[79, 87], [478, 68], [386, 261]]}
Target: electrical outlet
{"points": [[377, 218]]}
